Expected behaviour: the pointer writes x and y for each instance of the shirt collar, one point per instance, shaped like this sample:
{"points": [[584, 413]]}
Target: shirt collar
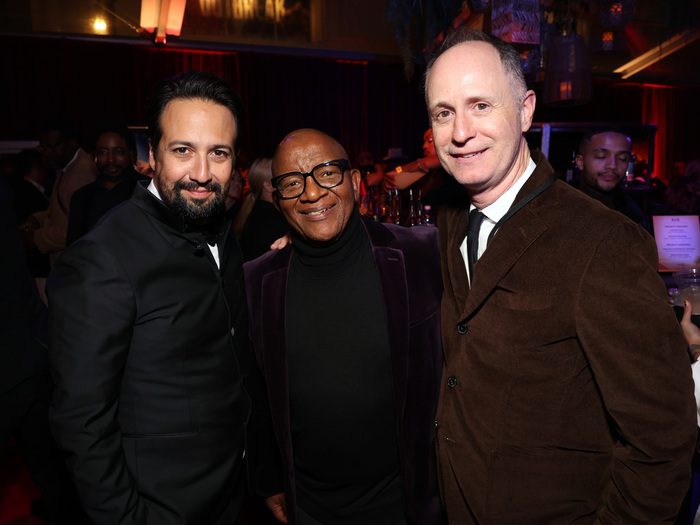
{"points": [[35, 184], [152, 188], [500, 207], [71, 161]]}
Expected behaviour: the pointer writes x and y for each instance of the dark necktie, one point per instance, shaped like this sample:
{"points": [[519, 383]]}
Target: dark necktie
{"points": [[475, 218]]}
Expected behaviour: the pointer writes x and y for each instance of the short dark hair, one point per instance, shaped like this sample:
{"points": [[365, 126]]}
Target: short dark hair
{"points": [[588, 135], [64, 125], [118, 128], [202, 85], [510, 58], [26, 159]]}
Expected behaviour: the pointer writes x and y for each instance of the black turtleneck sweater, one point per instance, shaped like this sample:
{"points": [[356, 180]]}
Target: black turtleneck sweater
{"points": [[340, 386]]}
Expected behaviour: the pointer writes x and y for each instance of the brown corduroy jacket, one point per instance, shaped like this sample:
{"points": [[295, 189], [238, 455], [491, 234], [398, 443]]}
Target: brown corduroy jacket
{"points": [[566, 392]]}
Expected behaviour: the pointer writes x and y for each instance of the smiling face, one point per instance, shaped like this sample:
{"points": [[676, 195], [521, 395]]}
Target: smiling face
{"points": [[113, 157], [603, 160], [477, 122], [194, 161], [319, 215]]}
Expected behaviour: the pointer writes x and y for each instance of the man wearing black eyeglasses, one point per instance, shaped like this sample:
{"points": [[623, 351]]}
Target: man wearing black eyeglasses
{"points": [[346, 328]]}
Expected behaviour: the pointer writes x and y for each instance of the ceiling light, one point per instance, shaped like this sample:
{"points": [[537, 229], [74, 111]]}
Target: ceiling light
{"points": [[100, 25]]}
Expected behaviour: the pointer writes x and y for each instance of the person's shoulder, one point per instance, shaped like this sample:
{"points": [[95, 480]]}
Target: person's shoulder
{"points": [[419, 244], [121, 224], [574, 198], [414, 234], [85, 191], [269, 261], [83, 162], [574, 211]]}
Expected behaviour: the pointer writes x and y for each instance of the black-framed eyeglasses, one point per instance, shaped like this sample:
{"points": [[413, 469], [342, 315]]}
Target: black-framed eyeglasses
{"points": [[326, 175]]}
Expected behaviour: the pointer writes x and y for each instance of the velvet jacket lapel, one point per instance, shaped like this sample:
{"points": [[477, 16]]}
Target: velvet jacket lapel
{"points": [[391, 269]]}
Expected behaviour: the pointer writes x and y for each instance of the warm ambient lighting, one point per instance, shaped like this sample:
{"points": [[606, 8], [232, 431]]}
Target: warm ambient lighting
{"points": [[608, 40], [654, 55], [568, 78], [162, 17], [244, 9], [100, 25], [616, 13]]}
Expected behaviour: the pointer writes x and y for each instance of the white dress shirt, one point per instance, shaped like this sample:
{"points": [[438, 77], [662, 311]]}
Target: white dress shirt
{"points": [[494, 212]]}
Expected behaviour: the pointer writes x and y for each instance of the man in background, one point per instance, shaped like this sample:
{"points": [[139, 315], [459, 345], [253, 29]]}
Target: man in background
{"points": [[263, 224], [76, 168], [115, 154], [604, 155]]}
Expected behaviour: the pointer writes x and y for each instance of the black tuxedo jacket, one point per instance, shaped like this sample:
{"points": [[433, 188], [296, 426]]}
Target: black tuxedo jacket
{"points": [[155, 378]]}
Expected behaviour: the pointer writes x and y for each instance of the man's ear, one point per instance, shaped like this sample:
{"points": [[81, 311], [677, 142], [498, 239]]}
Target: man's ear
{"points": [[276, 201], [527, 110], [268, 187], [151, 156], [356, 178], [579, 162]]}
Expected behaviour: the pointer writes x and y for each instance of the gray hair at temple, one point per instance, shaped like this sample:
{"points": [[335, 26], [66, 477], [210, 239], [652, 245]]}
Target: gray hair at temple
{"points": [[193, 85], [260, 171], [510, 59]]}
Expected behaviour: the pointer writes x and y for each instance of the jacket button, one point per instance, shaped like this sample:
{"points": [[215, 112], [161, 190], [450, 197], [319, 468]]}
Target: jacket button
{"points": [[462, 328], [452, 382]]}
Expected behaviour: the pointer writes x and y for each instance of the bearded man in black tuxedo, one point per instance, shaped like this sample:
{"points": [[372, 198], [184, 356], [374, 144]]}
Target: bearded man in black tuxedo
{"points": [[156, 384]]}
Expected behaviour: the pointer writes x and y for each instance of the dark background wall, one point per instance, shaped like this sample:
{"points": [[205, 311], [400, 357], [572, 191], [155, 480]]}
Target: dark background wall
{"points": [[368, 106]]}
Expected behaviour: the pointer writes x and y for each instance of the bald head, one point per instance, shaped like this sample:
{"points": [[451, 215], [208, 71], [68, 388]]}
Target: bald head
{"points": [[305, 143], [320, 214]]}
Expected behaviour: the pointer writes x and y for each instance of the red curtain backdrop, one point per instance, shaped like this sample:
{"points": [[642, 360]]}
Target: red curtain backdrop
{"points": [[367, 106], [660, 107]]}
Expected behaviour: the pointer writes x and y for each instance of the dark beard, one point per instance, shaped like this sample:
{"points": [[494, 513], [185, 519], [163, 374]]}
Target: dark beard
{"points": [[195, 211]]}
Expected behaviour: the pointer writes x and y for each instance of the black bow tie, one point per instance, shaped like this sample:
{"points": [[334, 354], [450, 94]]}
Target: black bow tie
{"points": [[210, 235]]}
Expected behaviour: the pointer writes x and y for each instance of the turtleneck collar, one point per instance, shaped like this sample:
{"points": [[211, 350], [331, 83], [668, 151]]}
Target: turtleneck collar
{"points": [[336, 253]]}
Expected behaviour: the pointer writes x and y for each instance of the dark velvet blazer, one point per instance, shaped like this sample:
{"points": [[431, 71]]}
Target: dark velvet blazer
{"points": [[408, 267], [567, 395]]}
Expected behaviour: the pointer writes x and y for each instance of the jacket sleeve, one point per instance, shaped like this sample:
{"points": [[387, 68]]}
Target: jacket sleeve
{"points": [[639, 360], [90, 322], [52, 236]]}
